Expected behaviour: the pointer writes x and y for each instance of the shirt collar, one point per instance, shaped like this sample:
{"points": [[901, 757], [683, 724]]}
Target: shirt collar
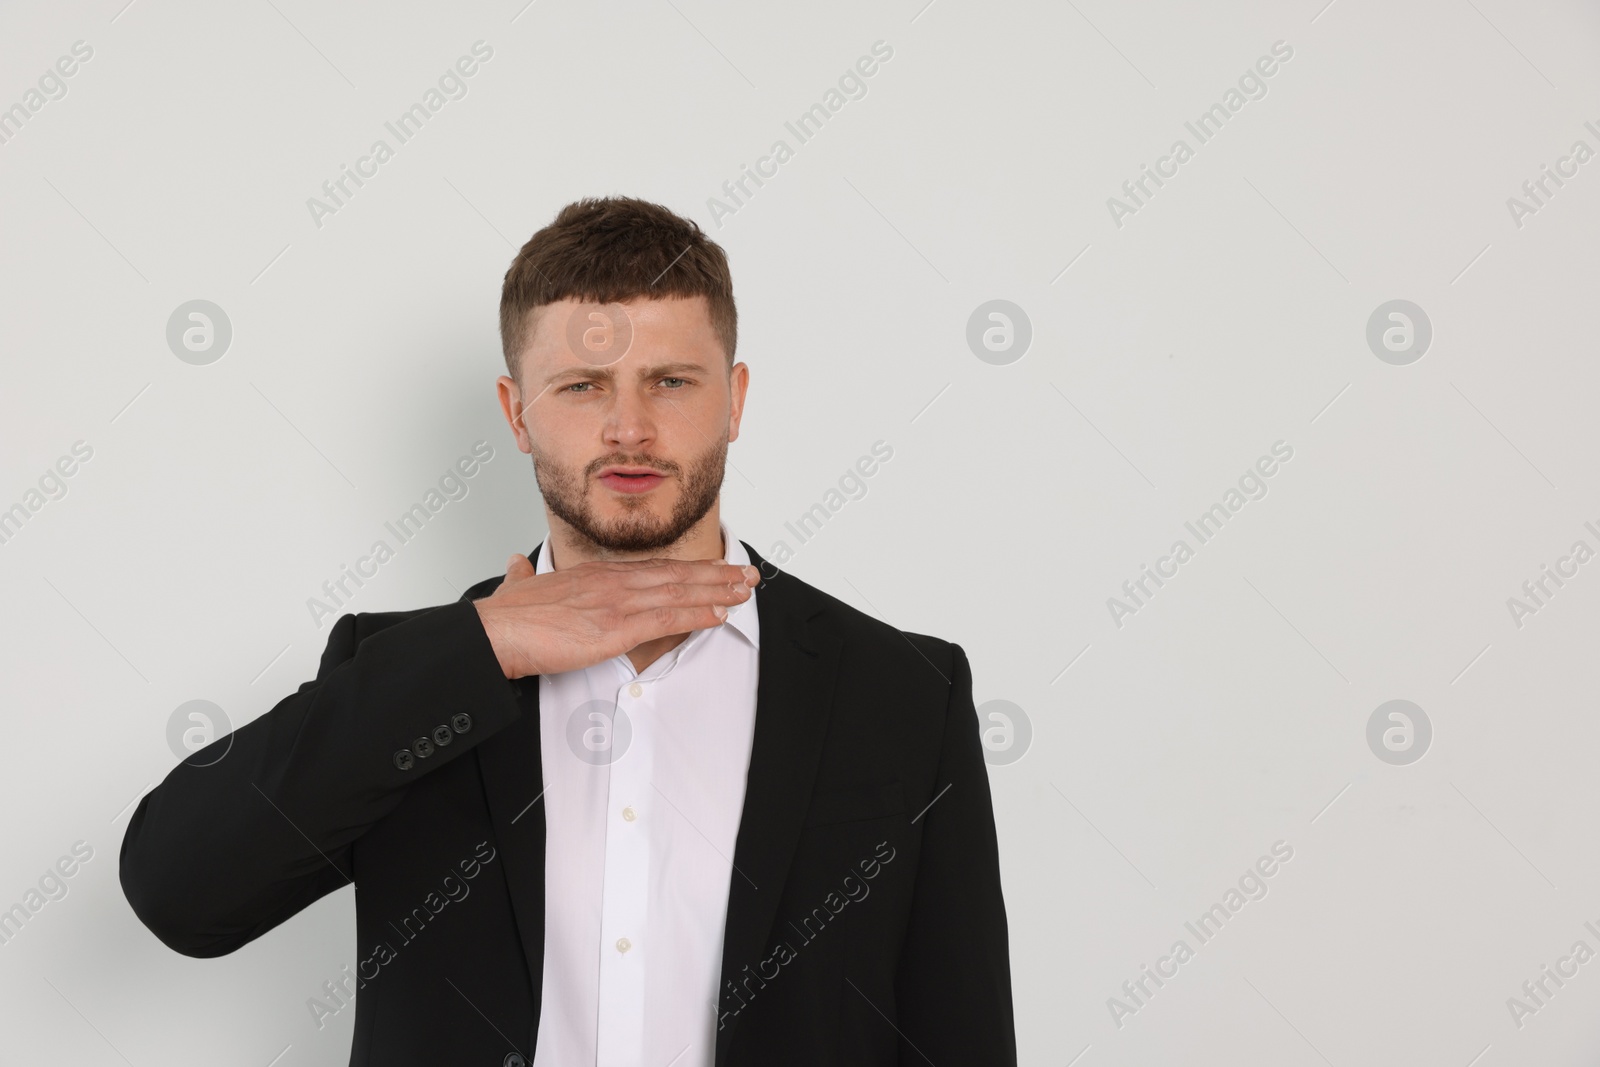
{"points": [[741, 617]]}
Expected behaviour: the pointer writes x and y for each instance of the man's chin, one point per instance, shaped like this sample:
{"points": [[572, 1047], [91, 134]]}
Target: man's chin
{"points": [[633, 537]]}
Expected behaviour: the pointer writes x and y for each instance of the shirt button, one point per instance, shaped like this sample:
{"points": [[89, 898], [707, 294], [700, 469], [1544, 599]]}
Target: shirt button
{"points": [[623, 944], [636, 690], [628, 814]]}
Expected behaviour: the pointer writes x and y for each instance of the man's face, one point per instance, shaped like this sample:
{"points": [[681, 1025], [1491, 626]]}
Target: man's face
{"points": [[642, 387]]}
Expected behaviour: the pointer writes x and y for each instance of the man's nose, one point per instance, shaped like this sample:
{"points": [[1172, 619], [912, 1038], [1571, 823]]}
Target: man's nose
{"points": [[629, 422]]}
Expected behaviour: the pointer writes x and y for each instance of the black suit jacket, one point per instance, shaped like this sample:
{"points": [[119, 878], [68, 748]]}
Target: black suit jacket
{"points": [[865, 920]]}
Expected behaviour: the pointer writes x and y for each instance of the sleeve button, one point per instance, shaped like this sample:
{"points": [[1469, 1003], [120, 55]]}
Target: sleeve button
{"points": [[422, 747], [442, 735], [403, 760], [461, 722]]}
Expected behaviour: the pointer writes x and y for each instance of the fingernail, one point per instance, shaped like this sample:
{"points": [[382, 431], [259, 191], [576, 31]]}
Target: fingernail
{"points": [[719, 611]]}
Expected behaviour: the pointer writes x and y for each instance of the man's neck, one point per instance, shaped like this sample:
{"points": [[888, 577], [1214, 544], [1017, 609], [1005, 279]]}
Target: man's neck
{"points": [[568, 548]]}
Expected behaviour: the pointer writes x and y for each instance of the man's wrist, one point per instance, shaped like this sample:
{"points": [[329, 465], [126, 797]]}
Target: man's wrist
{"points": [[504, 653]]}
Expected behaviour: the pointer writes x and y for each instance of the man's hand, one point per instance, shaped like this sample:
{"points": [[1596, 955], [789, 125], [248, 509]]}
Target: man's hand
{"points": [[579, 616]]}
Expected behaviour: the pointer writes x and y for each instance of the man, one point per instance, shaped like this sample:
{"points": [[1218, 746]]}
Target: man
{"points": [[643, 800]]}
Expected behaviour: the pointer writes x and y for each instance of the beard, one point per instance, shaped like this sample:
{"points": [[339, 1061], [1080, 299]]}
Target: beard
{"points": [[638, 529]]}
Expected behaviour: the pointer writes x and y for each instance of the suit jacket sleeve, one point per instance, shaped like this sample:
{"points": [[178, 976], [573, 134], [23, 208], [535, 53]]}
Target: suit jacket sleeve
{"points": [[217, 855], [953, 986]]}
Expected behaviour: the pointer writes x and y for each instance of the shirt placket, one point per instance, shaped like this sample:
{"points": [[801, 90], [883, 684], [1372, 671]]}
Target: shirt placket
{"points": [[624, 938]]}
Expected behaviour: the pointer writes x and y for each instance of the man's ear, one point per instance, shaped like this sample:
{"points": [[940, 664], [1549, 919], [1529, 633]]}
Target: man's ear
{"points": [[515, 412], [738, 382]]}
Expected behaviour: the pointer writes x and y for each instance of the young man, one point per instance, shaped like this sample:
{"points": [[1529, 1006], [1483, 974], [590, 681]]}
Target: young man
{"points": [[643, 800]]}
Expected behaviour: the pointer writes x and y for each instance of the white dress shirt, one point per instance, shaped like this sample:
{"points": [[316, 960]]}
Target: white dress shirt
{"points": [[644, 778]]}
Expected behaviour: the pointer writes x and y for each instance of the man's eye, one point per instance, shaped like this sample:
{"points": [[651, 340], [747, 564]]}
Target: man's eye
{"points": [[584, 386]]}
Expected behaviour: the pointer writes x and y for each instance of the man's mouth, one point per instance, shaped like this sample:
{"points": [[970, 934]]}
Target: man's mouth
{"points": [[631, 479]]}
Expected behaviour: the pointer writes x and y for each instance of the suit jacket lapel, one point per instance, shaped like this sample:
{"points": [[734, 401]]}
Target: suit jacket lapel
{"points": [[513, 783], [794, 702]]}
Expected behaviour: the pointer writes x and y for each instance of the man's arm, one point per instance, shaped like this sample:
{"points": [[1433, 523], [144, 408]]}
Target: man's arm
{"points": [[953, 986], [216, 856]]}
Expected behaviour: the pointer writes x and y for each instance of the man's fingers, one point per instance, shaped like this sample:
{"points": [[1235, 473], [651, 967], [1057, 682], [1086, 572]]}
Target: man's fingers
{"points": [[691, 596], [643, 574], [661, 621]]}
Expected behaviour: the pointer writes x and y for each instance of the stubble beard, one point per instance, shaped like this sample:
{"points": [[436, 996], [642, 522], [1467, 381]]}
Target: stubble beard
{"points": [[566, 494]]}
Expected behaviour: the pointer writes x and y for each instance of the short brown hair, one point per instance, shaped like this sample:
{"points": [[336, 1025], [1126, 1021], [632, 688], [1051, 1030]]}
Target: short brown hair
{"points": [[611, 249]]}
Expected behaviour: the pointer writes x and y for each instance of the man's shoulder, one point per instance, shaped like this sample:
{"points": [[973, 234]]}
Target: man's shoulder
{"points": [[363, 624], [861, 632]]}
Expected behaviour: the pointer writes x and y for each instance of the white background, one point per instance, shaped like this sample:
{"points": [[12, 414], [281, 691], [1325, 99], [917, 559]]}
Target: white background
{"points": [[1168, 353]]}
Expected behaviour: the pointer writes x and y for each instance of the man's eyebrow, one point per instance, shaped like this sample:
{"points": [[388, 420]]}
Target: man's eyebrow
{"points": [[648, 371]]}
